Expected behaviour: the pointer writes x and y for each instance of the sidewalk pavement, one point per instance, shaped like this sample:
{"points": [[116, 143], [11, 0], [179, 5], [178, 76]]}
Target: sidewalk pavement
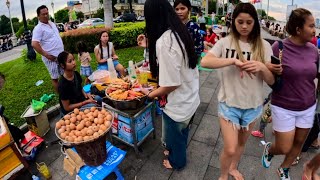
{"points": [[11, 54], [204, 146]]}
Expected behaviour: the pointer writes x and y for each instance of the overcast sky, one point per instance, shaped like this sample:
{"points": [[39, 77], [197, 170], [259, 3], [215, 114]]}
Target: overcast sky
{"points": [[277, 8]]}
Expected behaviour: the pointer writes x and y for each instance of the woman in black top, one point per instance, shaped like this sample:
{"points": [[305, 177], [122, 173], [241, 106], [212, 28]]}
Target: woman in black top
{"points": [[71, 95]]}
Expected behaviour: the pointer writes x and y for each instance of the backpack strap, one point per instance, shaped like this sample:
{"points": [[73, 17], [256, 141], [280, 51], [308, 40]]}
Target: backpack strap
{"points": [[280, 44]]}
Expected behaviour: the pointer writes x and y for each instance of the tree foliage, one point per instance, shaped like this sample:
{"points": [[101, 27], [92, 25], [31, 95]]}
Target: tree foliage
{"points": [[99, 14], [263, 14], [80, 15], [62, 16], [212, 6]]}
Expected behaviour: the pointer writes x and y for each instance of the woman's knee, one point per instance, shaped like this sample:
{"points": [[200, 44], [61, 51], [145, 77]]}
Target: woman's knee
{"points": [[284, 149], [229, 151]]}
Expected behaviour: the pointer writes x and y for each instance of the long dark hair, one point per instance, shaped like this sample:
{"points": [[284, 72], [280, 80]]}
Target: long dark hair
{"points": [[160, 16], [254, 37], [82, 47], [100, 45], [183, 2], [62, 59]]}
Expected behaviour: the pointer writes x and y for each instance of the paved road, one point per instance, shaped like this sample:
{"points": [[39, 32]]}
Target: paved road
{"points": [[12, 54], [204, 147]]}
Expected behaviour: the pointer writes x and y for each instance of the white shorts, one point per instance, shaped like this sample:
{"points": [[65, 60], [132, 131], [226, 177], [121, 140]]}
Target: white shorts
{"points": [[54, 69], [284, 120]]}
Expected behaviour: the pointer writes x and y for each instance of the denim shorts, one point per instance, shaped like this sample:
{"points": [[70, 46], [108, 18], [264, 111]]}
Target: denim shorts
{"points": [[240, 118], [85, 71], [104, 66]]}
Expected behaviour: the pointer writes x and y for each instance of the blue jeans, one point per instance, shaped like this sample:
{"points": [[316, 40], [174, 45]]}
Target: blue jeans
{"points": [[175, 138]]}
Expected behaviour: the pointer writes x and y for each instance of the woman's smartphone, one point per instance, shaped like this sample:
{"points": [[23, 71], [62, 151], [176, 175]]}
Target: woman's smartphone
{"points": [[275, 60]]}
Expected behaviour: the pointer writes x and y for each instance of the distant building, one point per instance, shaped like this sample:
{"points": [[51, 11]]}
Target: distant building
{"points": [[72, 3], [138, 6], [318, 23], [90, 7]]}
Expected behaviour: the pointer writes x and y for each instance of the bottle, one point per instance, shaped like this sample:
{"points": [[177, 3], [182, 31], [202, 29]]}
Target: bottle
{"points": [[132, 70], [111, 69], [34, 177]]}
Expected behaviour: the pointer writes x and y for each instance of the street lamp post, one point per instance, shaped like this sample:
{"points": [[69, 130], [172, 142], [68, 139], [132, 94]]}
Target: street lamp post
{"points": [[13, 38], [52, 5], [88, 2], [31, 54], [268, 11]]}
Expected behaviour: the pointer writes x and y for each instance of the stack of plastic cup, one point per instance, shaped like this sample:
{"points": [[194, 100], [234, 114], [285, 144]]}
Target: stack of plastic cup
{"points": [[111, 69]]}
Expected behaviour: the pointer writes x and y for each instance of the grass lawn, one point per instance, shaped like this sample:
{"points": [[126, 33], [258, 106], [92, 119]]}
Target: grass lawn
{"points": [[20, 78]]}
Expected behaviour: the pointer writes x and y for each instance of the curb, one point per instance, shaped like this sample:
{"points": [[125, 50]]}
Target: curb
{"points": [[52, 112]]}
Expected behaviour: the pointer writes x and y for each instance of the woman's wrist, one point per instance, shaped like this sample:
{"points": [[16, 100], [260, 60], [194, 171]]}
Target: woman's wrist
{"points": [[148, 95]]}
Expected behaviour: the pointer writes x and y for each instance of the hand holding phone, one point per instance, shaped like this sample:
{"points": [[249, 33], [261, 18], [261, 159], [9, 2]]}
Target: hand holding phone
{"points": [[275, 60]]}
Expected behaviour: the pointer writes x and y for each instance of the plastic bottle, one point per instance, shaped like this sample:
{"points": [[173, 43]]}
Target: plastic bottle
{"points": [[34, 177], [38, 83], [132, 70], [111, 69]]}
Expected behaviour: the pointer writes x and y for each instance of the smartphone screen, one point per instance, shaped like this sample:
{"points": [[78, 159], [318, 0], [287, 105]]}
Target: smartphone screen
{"points": [[275, 60]]}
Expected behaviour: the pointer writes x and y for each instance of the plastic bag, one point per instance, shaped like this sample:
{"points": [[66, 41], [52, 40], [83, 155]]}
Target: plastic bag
{"points": [[37, 105], [45, 98], [99, 76]]}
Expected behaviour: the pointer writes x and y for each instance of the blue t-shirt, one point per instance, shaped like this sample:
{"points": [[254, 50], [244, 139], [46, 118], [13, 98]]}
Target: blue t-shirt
{"points": [[318, 43]]}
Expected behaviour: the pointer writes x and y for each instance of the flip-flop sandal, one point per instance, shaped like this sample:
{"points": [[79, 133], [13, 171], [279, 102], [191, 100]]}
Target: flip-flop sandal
{"points": [[296, 161], [314, 146], [166, 154], [304, 177]]}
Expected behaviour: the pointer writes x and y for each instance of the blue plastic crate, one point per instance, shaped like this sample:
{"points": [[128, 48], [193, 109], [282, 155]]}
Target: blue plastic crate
{"points": [[114, 158]]}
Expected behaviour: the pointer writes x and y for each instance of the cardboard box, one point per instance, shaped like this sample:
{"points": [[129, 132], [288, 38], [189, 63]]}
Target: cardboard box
{"points": [[37, 121], [143, 125]]}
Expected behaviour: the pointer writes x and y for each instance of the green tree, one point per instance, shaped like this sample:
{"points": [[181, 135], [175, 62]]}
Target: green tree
{"points": [[263, 14], [14, 19], [16, 26], [99, 14], [212, 6], [34, 21], [5, 25], [80, 15], [62, 16]]}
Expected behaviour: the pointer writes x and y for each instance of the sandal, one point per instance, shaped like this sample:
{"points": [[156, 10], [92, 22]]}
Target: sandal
{"points": [[257, 133], [312, 146], [296, 161]]}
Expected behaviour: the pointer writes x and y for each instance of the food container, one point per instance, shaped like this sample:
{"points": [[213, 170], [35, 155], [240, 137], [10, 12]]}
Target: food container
{"points": [[93, 151], [127, 104]]}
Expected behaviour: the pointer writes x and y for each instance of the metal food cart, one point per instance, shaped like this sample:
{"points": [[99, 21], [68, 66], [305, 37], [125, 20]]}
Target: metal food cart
{"points": [[132, 127]]}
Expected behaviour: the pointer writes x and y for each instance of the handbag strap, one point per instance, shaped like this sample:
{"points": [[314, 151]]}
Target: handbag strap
{"points": [[280, 44]]}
